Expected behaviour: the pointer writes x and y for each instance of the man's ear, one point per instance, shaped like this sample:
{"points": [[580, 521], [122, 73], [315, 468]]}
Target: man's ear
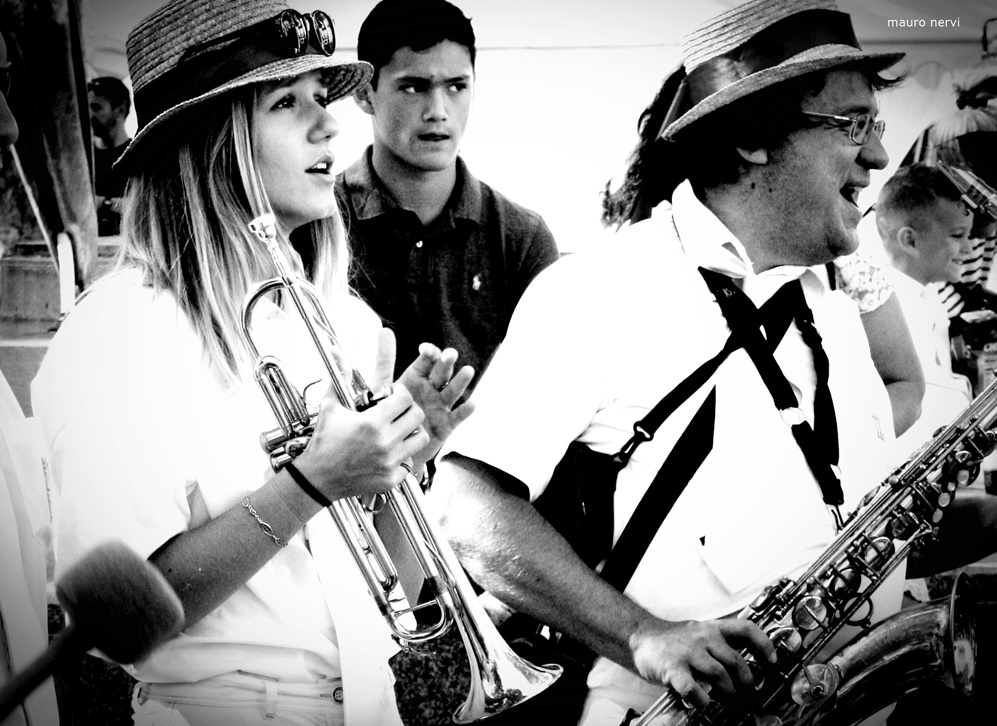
{"points": [[754, 156], [362, 98]]}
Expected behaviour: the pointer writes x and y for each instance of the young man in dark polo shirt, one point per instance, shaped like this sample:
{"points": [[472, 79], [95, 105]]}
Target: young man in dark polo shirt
{"points": [[439, 255]]}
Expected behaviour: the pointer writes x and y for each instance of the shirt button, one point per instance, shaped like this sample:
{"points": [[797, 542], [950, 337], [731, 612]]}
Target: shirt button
{"points": [[418, 244]]}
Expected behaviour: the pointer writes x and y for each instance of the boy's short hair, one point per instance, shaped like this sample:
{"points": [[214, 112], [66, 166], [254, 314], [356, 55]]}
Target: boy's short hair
{"points": [[113, 90], [415, 24], [908, 196]]}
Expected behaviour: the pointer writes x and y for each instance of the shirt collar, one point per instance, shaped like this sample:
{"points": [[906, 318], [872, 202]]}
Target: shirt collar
{"points": [[708, 243], [372, 198], [910, 286]]}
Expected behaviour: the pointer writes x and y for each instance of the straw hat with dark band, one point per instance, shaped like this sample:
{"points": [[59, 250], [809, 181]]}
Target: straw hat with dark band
{"points": [[757, 45], [191, 51]]}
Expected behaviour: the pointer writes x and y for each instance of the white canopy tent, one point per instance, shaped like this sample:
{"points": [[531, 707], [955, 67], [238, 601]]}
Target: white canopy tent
{"points": [[561, 83]]}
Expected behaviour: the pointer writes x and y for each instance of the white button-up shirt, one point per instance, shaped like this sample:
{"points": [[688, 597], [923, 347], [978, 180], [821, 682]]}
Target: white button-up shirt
{"points": [[603, 335]]}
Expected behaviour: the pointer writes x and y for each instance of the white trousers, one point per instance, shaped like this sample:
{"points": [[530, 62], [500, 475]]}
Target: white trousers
{"points": [[608, 705], [238, 700]]}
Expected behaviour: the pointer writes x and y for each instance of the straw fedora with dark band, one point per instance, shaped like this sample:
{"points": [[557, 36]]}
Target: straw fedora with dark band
{"points": [[191, 51], [757, 45]]}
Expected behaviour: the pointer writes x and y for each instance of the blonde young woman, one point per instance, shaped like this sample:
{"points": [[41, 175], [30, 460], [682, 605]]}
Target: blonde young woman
{"points": [[150, 406]]}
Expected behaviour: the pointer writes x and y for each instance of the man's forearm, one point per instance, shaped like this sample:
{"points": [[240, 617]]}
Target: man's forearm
{"points": [[511, 551]]}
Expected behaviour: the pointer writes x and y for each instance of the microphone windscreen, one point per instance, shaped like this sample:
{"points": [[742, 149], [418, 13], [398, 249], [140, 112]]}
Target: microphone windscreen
{"points": [[119, 603]]}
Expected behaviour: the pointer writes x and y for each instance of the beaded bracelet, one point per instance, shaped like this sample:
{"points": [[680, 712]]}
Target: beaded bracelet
{"points": [[311, 491], [267, 529]]}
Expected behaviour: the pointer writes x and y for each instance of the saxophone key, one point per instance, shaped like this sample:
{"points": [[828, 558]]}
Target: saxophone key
{"points": [[814, 684], [844, 581], [786, 637], [766, 596], [880, 530], [810, 612], [904, 526], [878, 551], [758, 671]]}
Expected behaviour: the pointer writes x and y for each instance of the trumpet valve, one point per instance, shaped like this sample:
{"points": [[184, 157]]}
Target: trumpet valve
{"points": [[287, 452]]}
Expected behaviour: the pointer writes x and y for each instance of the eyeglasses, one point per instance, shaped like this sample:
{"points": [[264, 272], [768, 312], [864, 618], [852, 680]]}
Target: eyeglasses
{"points": [[292, 36], [861, 126], [6, 75]]}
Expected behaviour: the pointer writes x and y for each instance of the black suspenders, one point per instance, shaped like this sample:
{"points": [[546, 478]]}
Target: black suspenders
{"points": [[696, 442]]}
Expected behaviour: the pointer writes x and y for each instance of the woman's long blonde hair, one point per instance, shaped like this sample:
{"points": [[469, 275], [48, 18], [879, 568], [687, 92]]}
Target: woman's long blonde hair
{"points": [[185, 225]]}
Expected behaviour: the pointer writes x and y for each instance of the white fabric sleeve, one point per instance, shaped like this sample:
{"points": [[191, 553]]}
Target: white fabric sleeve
{"points": [[116, 394], [542, 387]]}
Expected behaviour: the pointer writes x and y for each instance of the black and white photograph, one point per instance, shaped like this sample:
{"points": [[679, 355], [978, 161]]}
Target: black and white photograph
{"points": [[534, 362]]}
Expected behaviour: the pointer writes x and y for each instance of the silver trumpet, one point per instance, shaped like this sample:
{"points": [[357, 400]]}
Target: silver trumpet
{"points": [[500, 679]]}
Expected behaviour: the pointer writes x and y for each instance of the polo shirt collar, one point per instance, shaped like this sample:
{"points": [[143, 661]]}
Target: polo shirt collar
{"points": [[372, 198]]}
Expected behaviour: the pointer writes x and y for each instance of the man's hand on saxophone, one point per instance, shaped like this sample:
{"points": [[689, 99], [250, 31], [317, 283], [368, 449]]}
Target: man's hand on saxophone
{"points": [[699, 659]]}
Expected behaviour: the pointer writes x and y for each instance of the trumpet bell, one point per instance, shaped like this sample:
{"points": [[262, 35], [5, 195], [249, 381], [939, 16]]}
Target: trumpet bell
{"points": [[502, 684]]}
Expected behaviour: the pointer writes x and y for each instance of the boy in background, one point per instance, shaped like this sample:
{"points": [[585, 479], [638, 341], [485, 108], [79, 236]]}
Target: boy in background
{"points": [[925, 229]]}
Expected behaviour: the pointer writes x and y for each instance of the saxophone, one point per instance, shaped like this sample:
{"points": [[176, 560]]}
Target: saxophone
{"points": [[802, 615]]}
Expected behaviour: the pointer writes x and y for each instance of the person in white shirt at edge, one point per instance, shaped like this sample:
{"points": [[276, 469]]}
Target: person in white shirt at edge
{"points": [[149, 403], [771, 143], [925, 229], [24, 515]]}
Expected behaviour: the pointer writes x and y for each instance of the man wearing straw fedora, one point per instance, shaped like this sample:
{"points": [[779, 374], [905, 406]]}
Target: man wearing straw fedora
{"points": [[771, 136]]}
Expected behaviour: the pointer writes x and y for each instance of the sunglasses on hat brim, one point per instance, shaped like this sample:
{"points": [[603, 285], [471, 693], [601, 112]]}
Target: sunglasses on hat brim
{"points": [[292, 31]]}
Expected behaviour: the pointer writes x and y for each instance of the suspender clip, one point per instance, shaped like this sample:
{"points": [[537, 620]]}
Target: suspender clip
{"points": [[839, 521], [792, 416], [641, 435]]}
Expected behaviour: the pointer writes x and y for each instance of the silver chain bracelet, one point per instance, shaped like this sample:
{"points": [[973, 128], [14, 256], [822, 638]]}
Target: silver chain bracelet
{"points": [[267, 529]]}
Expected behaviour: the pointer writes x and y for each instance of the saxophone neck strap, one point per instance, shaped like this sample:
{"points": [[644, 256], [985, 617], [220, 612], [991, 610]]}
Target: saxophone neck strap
{"points": [[696, 442], [746, 324]]}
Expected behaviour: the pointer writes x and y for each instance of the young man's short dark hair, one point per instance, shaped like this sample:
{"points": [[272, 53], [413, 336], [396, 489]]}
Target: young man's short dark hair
{"points": [[415, 24], [113, 90]]}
